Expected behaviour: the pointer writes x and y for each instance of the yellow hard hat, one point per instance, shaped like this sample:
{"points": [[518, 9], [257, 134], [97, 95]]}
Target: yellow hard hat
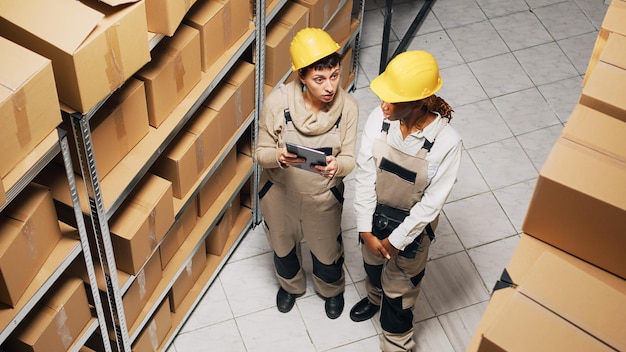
{"points": [[410, 76], [310, 45]]}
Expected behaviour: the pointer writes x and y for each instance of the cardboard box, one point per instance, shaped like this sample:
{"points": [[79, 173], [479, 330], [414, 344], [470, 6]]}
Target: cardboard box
{"points": [[294, 16], [29, 105], [615, 51], [178, 233], [184, 48], [179, 164], [174, 70], [155, 331], [164, 16], [238, 14], [216, 240], [116, 128], [3, 196], [208, 18], [155, 195], [229, 168], [205, 126], [524, 325], [141, 289], [613, 22], [56, 322], [570, 210], [130, 237], [597, 131], [209, 193], [29, 232], [346, 68], [242, 77], [222, 100], [277, 59], [339, 26], [603, 89], [187, 278], [558, 282], [94, 47], [317, 14]]}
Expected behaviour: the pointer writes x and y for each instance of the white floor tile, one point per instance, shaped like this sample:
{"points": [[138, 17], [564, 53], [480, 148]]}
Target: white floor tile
{"points": [[459, 325], [492, 258], [491, 224], [503, 163], [219, 337], [430, 336], [330, 333], [270, 330], [525, 111], [452, 282], [213, 308]]}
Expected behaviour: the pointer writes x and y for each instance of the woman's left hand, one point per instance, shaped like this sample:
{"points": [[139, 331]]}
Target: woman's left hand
{"points": [[329, 170]]}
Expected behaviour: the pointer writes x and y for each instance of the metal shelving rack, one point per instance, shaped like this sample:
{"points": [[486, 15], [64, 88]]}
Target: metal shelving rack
{"points": [[101, 209], [56, 143]]}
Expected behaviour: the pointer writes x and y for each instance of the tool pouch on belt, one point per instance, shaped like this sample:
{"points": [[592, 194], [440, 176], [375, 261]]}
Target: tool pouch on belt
{"points": [[385, 220]]}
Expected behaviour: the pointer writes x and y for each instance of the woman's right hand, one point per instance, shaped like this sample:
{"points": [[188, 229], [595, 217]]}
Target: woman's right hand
{"points": [[374, 245], [288, 159]]}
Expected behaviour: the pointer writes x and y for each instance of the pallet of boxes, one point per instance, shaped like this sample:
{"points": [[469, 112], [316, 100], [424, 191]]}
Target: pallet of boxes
{"points": [[564, 288]]}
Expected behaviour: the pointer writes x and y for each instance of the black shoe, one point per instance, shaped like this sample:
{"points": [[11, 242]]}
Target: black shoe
{"points": [[285, 300], [363, 310], [334, 306]]}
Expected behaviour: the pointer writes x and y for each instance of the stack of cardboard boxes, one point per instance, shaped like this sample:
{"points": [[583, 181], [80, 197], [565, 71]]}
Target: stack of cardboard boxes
{"points": [[565, 286]]}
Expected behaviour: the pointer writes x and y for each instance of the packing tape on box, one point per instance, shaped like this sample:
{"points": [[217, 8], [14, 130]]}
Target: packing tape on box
{"points": [[188, 268], [120, 128], [200, 152], [152, 230], [179, 71], [63, 330], [238, 112], [29, 234], [141, 281], [152, 334], [226, 19], [21, 117], [114, 69]]}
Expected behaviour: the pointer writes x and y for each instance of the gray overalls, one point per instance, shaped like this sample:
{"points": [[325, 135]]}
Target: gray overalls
{"points": [[299, 204], [395, 284]]}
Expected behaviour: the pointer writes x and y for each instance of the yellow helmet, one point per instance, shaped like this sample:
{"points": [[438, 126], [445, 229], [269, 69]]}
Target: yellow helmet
{"points": [[410, 76], [310, 45]]}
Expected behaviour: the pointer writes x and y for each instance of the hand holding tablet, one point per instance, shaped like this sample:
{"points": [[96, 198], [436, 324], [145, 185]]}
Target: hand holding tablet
{"points": [[310, 155]]}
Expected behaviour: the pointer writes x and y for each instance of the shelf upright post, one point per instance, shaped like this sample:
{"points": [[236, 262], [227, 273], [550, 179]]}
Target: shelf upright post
{"points": [[84, 146], [258, 96], [357, 45], [408, 36], [84, 242]]}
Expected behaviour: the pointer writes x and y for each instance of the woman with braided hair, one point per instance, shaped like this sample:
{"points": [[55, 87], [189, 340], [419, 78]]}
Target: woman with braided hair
{"points": [[406, 167]]}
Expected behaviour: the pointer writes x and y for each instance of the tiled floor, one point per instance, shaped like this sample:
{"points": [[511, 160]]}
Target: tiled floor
{"points": [[512, 71]]}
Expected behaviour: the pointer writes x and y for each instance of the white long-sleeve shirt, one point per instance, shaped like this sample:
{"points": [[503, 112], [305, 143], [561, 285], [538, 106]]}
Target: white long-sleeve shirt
{"points": [[443, 164]]}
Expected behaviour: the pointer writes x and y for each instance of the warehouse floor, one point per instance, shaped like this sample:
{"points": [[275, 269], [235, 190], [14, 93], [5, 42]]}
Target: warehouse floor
{"points": [[512, 71]]}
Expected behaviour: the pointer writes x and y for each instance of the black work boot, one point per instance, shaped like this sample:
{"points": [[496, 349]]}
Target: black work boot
{"points": [[363, 310], [334, 306], [285, 300]]}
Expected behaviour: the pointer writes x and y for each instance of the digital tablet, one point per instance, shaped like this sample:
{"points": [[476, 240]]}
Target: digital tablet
{"points": [[312, 156]]}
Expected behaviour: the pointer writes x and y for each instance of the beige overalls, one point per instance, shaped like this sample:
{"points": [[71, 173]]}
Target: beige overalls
{"points": [[298, 204], [395, 284]]}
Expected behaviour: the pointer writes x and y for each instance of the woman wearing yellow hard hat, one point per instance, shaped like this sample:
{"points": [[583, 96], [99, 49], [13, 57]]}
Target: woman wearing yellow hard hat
{"points": [[407, 164], [299, 201]]}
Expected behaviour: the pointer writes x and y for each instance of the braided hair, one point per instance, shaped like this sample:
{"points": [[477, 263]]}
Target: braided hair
{"points": [[437, 104]]}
